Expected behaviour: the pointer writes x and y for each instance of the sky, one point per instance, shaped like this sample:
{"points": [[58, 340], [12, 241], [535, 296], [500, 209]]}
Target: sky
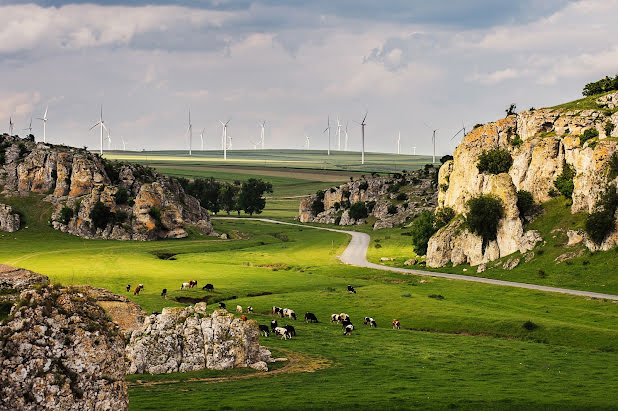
{"points": [[413, 66]]}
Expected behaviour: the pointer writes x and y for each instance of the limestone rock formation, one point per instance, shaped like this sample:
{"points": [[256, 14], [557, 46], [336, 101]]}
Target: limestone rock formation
{"points": [[59, 351], [9, 221], [419, 188], [541, 142], [186, 339], [141, 204]]}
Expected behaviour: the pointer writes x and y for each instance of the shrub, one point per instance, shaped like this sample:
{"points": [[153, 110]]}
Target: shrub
{"points": [[392, 209], [446, 158], [437, 296], [612, 164], [477, 125], [609, 128], [495, 161], [402, 197], [100, 215], [332, 190], [120, 216], [484, 214], [112, 169], [421, 231], [564, 182], [516, 141], [364, 185], [345, 194], [337, 220], [66, 214], [541, 274], [511, 110], [444, 215], [122, 196], [337, 206], [530, 326], [406, 295], [601, 86], [320, 194], [370, 206], [378, 245], [155, 213], [589, 133], [358, 211], [525, 202], [317, 207], [599, 224]]}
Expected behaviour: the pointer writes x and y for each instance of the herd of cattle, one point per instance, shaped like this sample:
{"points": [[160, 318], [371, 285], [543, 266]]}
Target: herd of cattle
{"points": [[287, 331]]}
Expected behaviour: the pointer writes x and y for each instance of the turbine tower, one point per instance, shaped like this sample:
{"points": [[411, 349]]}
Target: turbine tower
{"points": [[10, 126], [190, 132], [363, 124], [328, 129], [101, 123], [109, 141], [124, 144], [262, 126], [399, 143], [307, 142], [433, 140], [338, 134], [29, 128], [44, 120], [202, 138], [346, 136], [414, 148], [224, 138]]}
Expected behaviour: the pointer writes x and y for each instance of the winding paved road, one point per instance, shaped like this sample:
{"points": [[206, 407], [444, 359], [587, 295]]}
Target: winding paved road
{"points": [[356, 254]]}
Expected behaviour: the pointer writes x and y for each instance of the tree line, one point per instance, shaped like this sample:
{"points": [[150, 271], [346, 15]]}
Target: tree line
{"points": [[215, 196], [601, 86]]}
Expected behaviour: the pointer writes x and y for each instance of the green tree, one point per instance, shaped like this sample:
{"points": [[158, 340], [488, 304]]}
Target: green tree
{"points": [[444, 215], [66, 214], [525, 202], [495, 161], [564, 182], [483, 217], [206, 190], [511, 110], [251, 195], [609, 128], [423, 227], [358, 211], [100, 215], [122, 195], [228, 197]]}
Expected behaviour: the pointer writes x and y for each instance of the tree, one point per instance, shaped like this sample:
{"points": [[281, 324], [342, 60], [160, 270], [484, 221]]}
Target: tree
{"points": [[100, 215], [604, 85], [122, 195], [601, 223], [589, 133], [251, 192], [609, 128], [446, 158], [511, 110], [421, 231], [206, 190], [525, 202], [444, 215], [228, 197], [358, 211], [564, 182], [483, 217], [495, 161]]}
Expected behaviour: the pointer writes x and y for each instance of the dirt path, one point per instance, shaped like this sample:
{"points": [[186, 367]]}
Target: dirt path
{"points": [[297, 362], [356, 254]]}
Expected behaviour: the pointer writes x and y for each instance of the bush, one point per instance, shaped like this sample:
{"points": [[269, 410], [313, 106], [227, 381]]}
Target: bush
{"points": [[495, 161], [589, 133], [120, 217], [122, 196], [564, 182], [378, 245], [477, 125], [155, 213], [370, 206], [66, 214], [541, 274], [446, 158], [484, 214], [100, 215], [392, 209], [530, 326], [317, 207], [612, 164], [358, 211], [609, 128], [437, 296], [601, 86], [421, 231], [337, 206], [402, 197], [511, 110], [320, 194], [516, 141], [601, 223], [444, 215], [364, 185], [525, 202]]}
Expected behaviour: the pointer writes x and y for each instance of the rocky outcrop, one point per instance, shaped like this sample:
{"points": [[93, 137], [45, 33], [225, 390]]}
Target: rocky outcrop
{"points": [[59, 351], [140, 204], [391, 200], [9, 221], [541, 143], [187, 339], [15, 280]]}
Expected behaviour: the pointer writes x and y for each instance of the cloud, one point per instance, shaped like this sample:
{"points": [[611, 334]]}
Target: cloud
{"points": [[17, 105]]}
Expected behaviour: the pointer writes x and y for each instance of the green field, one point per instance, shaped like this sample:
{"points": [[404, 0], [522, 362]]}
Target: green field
{"points": [[463, 345]]}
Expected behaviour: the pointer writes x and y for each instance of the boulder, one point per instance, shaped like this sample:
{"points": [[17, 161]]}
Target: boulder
{"points": [[9, 221]]}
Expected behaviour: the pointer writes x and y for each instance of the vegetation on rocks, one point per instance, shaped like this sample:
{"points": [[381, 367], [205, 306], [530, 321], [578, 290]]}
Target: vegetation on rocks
{"points": [[564, 182], [601, 86], [358, 211], [525, 202], [495, 161], [589, 134], [483, 216], [423, 227], [601, 223]]}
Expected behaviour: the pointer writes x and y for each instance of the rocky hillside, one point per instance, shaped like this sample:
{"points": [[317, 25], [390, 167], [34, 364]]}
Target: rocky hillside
{"points": [[95, 198], [542, 144], [389, 201]]}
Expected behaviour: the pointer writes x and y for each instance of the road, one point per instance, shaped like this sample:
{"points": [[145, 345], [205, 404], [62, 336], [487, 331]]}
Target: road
{"points": [[356, 254]]}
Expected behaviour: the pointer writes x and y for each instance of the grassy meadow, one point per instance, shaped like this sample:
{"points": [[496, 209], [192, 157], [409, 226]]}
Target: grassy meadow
{"points": [[462, 345]]}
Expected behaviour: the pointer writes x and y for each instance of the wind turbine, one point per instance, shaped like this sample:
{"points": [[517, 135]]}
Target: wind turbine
{"points": [[124, 144], [346, 136], [463, 128], [190, 131], [399, 143], [328, 129], [109, 141], [10, 126], [414, 152], [338, 134], [224, 138], [101, 123], [202, 138], [230, 145], [363, 124], [433, 139], [44, 119], [307, 142], [262, 126], [29, 128]]}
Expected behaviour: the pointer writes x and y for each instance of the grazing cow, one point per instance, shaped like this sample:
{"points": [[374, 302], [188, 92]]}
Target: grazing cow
{"points": [[334, 318], [310, 318], [370, 321], [273, 325], [137, 290], [192, 283], [128, 287], [249, 309], [238, 309], [348, 329], [208, 287], [264, 330], [351, 289], [164, 293], [288, 313], [344, 316], [184, 285], [345, 323], [277, 310], [396, 324], [141, 286], [223, 306], [285, 335], [243, 318], [291, 330]]}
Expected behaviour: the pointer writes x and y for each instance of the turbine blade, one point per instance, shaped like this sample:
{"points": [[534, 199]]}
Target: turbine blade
{"points": [[94, 125]]}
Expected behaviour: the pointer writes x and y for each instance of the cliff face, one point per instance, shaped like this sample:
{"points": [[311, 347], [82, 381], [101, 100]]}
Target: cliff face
{"points": [[9, 221], [141, 204], [540, 142]]}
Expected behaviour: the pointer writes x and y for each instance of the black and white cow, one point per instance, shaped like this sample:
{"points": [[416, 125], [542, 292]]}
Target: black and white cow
{"points": [[285, 335], [164, 293], [264, 330], [128, 287], [277, 311], [345, 323], [370, 321], [351, 289], [249, 309], [310, 318], [334, 318], [344, 316], [222, 306], [289, 313], [208, 287], [291, 330], [273, 325], [348, 329]]}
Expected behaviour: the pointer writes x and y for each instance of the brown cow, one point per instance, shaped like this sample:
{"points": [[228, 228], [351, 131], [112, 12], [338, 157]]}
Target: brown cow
{"points": [[137, 290], [243, 317], [396, 324]]}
